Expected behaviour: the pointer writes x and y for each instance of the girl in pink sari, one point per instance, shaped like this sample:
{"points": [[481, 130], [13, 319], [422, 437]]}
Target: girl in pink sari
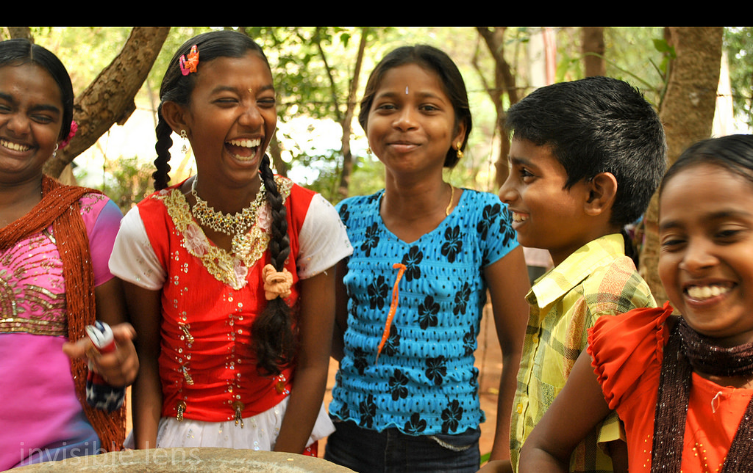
{"points": [[55, 242]]}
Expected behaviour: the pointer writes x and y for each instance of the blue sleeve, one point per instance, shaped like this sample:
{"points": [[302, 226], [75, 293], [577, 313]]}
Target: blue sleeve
{"points": [[494, 226]]}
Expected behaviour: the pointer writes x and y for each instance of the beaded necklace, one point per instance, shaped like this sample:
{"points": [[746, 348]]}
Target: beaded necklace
{"points": [[236, 225]]}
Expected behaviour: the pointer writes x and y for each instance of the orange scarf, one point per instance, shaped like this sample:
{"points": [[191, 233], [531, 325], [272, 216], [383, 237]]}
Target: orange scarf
{"points": [[60, 208]]}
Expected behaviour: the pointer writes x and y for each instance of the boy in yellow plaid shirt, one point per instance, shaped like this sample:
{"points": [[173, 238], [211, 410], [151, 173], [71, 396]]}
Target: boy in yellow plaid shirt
{"points": [[585, 158]]}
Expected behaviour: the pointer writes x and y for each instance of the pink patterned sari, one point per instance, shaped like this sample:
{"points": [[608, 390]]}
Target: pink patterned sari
{"points": [[42, 419]]}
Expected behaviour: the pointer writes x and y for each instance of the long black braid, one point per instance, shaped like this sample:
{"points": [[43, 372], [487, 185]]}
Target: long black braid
{"points": [[162, 162], [272, 331]]}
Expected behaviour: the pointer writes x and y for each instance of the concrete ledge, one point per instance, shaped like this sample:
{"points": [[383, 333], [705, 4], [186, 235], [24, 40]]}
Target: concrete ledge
{"points": [[189, 460]]}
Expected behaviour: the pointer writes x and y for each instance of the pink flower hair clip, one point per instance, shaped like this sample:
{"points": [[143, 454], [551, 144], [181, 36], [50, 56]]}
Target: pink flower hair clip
{"points": [[71, 134], [189, 65]]}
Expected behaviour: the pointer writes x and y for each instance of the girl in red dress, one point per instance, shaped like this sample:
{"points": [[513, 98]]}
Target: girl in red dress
{"points": [[228, 274]]}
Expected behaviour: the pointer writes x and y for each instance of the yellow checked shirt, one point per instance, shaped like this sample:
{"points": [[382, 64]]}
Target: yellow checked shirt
{"points": [[596, 280]]}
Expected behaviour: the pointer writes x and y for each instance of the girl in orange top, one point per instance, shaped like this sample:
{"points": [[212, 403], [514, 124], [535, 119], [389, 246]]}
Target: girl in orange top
{"points": [[681, 385]]}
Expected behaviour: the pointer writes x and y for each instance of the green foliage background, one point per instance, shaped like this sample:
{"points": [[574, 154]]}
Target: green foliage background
{"points": [[636, 54]]}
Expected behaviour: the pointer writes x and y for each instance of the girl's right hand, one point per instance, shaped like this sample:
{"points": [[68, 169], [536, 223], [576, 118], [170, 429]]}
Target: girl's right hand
{"points": [[118, 368]]}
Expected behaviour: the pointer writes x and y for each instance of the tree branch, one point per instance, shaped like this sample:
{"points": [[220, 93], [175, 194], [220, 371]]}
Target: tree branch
{"points": [[332, 85], [347, 169], [109, 99]]}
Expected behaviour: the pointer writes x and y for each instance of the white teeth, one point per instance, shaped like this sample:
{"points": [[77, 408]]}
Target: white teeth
{"points": [[516, 217], [246, 143], [14, 146], [706, 292]]}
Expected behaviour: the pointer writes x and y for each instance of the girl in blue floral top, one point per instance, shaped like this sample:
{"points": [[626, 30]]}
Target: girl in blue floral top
{"points": [[411, 295]]}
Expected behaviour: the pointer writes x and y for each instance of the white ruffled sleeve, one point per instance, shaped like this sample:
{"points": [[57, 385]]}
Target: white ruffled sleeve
{"points": [[323, 239], [133, 259]]}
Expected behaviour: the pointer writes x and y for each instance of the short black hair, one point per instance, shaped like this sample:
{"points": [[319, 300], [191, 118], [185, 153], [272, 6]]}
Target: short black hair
{"points": [[434, 60], [20, 51], [593, 125]]}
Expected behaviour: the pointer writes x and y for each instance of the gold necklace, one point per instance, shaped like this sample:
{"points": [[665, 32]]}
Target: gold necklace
{"points": [[236, 225], [449, 206]]}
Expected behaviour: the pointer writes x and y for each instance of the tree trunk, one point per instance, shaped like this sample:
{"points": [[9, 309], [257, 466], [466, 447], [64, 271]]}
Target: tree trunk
{"points": [[687, 112], [504, 80], [110, 98], [20, 32], [347, 120], [592, 44]]}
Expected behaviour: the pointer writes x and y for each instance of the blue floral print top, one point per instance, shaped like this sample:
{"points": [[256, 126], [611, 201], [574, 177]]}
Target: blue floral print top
{"points": [[424, 381]]}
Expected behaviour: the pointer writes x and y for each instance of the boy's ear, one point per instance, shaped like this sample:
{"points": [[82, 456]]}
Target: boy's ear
{"points": [[602, 190], [174, 115]]}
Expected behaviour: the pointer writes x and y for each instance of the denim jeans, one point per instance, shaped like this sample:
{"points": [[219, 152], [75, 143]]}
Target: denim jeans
{"points": [[369, 451]]}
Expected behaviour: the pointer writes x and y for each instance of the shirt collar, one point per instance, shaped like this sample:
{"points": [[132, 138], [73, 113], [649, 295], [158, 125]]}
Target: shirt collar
{"points": [[576, 268]]}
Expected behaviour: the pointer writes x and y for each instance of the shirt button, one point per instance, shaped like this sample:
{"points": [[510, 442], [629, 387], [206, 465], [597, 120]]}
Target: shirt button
{"points": [[520, 408]]}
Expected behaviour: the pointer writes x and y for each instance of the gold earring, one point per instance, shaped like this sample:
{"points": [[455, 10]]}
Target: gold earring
{"points": [[184, 136], [460, 153]]}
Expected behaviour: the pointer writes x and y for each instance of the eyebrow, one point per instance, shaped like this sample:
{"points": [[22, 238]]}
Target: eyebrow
{"points": [[520, 161], [720, 215], [392, 93], [37, 107], [228, 88], [669, 225], [45, 108]]}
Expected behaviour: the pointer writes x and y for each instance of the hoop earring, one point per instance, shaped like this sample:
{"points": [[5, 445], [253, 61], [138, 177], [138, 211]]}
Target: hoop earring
{"points": [[184, 136]]}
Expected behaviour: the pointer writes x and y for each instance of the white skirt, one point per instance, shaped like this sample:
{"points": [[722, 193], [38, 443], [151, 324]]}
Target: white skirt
{"points": [[259, 432]]}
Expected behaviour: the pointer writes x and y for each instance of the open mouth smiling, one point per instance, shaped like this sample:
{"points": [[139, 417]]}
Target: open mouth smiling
{"points": [[706, 291], [244, 149], [14, 146]]}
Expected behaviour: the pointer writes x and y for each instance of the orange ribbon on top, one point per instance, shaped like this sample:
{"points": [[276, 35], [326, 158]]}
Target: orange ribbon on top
{"points": [[393, 307], [276, 283], [191, 64]]}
